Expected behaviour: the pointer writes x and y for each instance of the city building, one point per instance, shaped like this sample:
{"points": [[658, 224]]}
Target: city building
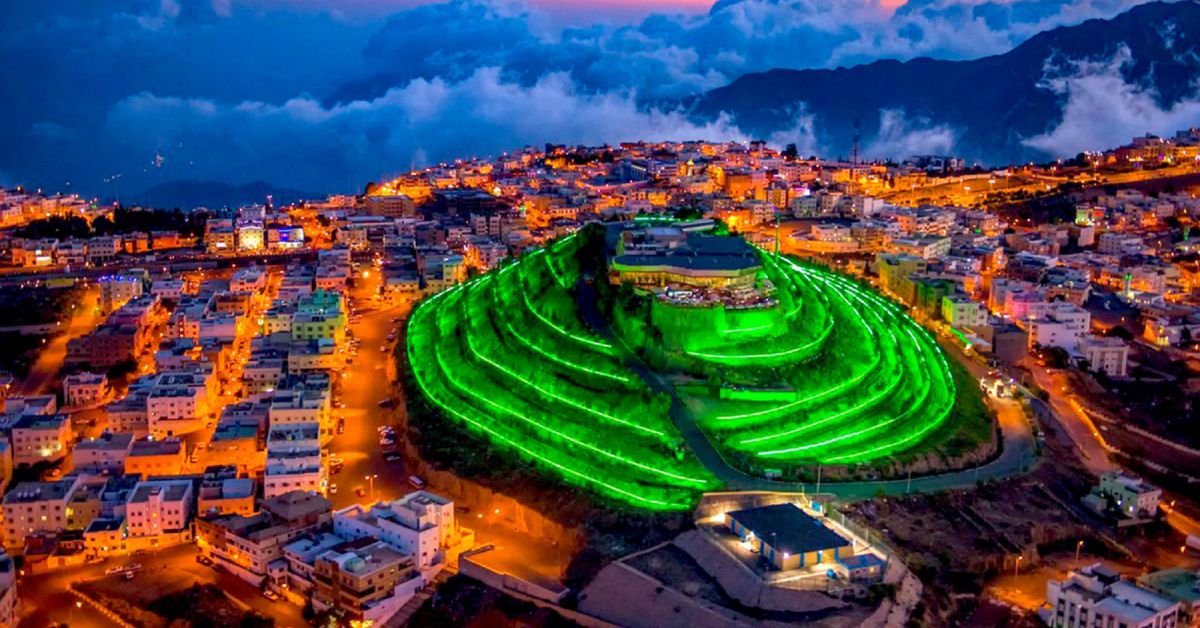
{"points": [[420, 525], [1097, 596], [787, 537]]}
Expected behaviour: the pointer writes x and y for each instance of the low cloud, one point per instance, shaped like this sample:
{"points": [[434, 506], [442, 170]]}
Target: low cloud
{"points": [[1103, 109], [303, 144], [901, 136]]}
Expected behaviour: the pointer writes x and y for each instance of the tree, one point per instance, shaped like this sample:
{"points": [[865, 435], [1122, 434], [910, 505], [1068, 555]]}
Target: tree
{"points": [[790, 151]]}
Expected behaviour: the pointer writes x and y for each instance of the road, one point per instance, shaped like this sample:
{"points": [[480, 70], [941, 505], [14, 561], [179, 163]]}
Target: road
{"points": [[85, 318], [367, 381], [47, 599], [1066, 410], [364, 383]]}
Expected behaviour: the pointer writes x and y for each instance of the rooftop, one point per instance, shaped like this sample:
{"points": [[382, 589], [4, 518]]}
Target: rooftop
{"points": [[787, 528]]}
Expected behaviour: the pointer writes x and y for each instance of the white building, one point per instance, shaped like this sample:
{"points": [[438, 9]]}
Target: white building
{"points": [[117, 290], [1131, 495], [1096, 596], [83, 389], [159, 507], [1063, 325], [419, 524], [37, 438], [36, 507], [1114, 243], [175, 410], [1107, 354], [105, 453], [294, 460]]}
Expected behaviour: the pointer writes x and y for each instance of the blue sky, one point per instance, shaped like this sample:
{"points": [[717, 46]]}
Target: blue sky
{"points": [[323, 95]]}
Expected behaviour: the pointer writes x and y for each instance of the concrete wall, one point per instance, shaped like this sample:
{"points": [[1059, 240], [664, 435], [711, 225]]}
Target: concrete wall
{"points": [[504, 581], [742, 584]]}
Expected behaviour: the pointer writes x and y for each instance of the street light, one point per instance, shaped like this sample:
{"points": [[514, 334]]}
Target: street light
{"points": [[1078, 546], [371, 479], [1017, 567]]}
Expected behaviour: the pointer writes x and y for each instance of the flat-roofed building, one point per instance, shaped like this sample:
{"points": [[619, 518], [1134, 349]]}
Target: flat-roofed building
{"points": [[1097, 596], [420, 524], [103, 454], [149, 457], [35, 507], [248, 545], [84, 389], [366, 580], [159, 507], [41, 438], [787, 537]]}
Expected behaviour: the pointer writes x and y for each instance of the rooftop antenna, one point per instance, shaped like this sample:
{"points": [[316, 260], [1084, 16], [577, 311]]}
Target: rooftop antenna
{"points": [[854, 149]]}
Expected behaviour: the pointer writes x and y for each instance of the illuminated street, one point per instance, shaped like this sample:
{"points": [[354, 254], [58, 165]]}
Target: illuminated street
{"points": [[82, 321]]}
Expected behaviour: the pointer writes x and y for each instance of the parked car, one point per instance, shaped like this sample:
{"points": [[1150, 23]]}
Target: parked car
{"points": [[333, 489], [270, 595]]}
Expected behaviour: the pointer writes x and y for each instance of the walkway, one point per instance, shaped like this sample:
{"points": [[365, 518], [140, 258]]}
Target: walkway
{"points": [[1017, 452]]}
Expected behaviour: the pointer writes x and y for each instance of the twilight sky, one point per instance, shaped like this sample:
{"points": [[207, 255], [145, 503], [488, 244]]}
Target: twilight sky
{"points": [[323, 95]]}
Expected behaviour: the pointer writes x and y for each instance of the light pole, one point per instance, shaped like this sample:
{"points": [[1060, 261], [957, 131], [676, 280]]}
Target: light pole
{"points": [[1017, 567], [371, 479], [1078, 546]]}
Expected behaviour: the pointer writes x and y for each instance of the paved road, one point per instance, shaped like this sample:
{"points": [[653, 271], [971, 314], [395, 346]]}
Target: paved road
{"points": [[1018, 449], [84, 319], [1079, 427]]}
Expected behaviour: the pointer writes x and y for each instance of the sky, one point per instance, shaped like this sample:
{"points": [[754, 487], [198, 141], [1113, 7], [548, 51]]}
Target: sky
{"points": [[322, 96]]}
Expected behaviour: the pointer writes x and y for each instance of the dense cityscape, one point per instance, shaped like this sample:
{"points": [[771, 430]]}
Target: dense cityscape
{"points": [[278, 400], [904, 373]]}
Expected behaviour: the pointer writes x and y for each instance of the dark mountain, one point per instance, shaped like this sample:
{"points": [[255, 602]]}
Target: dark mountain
{"points": [[991, 103], [214, 195]]}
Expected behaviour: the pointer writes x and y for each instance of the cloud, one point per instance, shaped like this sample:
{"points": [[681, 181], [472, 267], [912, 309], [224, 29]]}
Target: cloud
{"points": [[802, 132], [303, 144], [1103, 109], [900, 136], [308, 66]]}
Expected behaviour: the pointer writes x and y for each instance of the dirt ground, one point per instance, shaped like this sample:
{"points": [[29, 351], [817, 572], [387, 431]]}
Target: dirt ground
{"points": [[954, 541], [131, 598]]}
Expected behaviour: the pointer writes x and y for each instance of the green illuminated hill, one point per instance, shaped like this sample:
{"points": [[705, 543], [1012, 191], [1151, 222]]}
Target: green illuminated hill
{"points": [[822, 371]]}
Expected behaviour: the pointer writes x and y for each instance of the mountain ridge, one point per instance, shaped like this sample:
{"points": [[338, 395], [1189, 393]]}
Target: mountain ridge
{"points": [[993, 103]]}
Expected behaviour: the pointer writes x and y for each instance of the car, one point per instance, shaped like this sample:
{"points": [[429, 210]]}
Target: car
{"points": [[270, 595], [416, 482], [129, 575], [116, 569], [204, 560], [133, 567], [333, 489], [392, 456]]}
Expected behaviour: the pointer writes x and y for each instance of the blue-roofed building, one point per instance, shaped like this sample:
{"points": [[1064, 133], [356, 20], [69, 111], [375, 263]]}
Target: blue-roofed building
{"points": [[789, 538]]}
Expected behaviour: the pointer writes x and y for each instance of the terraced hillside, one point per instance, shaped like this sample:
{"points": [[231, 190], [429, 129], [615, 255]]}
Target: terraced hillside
{"points": [[508, 356], [842, 376]]}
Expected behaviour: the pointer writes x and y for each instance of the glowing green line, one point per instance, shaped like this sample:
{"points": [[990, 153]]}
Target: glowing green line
{"points": [[541, 426], [574, 404]]}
